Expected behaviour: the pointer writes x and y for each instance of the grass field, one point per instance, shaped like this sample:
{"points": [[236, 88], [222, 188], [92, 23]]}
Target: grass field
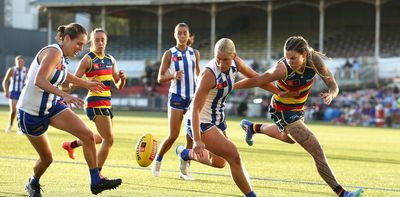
{"points": [[360, 157]]}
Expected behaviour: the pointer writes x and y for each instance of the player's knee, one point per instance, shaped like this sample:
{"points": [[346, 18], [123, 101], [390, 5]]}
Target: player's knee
{"points": [[88, 138], [108, 141], [172, 138], [47, 159], [234, 157]]}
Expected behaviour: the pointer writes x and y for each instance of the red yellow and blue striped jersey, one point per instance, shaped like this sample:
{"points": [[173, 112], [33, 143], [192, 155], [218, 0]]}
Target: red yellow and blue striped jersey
{"points": [[102, 69], [294, 81]]}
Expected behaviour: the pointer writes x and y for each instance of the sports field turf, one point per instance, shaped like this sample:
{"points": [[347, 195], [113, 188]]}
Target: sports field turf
{"points": [[360, 157]]}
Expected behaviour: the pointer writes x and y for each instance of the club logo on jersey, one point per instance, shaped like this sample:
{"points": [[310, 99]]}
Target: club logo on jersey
{"points": [[176, 58], [60, 67], [222, 85], [96, 65]]}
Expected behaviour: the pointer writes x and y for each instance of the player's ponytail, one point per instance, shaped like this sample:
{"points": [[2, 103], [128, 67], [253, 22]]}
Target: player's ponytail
{"points": [[190, 40], [73, 30], [300, 45]]}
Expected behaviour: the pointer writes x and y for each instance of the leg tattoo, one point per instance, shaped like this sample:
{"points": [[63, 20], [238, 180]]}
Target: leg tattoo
{"points": [[302, 135]]}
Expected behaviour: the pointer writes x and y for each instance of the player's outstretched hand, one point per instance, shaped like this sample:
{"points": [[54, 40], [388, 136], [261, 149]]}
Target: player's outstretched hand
{"points": [[198, 148], [95, 85], [327, 97], [69, 99]]}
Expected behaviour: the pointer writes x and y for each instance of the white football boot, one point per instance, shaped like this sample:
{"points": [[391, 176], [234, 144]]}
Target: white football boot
{"points": [[19, 132], [183, 165], [156, 169]]}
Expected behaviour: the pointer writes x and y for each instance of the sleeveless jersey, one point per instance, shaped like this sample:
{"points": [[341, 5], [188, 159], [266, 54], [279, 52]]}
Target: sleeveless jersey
{"points": [[214, 107], [102, 69], [294, 81], [17, 81], [34, 100], [183, 61]]}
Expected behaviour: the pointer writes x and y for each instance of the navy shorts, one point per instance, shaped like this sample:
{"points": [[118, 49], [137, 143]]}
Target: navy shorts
{"points": [[37, 125], [14, 95], [177, 102], [93, 112], [284, 118], [204, 127]]}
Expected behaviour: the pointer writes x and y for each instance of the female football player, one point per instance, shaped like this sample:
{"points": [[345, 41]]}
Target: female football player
{"points": [[103, 67], [295, 72], [42, 103], [206, 121], [180, 65]]}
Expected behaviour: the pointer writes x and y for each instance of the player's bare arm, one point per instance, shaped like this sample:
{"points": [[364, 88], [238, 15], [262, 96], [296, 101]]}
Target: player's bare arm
{"points": [[119, 76], [5, 81], [328, 79], [205, 85], [163, 75], [261, 80], [197, 54], [83, 66]]}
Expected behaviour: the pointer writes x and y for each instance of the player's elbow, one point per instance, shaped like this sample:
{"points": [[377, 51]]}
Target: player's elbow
{"points": [[37, 82]]}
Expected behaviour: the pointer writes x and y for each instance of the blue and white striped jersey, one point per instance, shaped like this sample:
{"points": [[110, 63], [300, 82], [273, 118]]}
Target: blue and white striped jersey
{"points": [[183, 61], [34, 100], [214, 107], [17, 81]]}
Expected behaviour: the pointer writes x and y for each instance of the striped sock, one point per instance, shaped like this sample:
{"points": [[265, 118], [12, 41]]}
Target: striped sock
{"points": [[257, 128]]}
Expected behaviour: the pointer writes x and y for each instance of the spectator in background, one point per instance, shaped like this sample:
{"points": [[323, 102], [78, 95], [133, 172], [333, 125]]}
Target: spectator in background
{"points": [[242, 108], [154, 74], [356, 69], [147, 77], [347, 69], [255, 66]]}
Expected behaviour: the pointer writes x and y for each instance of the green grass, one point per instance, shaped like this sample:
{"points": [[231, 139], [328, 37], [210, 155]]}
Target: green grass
{"points": [[360, 157]]}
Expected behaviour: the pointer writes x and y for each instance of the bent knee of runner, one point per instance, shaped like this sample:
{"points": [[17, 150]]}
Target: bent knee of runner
{"points": [[46, 159], [108, 141], [233, 157], [87, 138]]}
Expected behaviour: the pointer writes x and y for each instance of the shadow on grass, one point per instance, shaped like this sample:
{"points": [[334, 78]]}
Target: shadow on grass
{"points": [[4, 194], [305, 192], [180, 189], [338, 157]]}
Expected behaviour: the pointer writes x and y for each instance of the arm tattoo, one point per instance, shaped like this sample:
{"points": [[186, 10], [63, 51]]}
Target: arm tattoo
{"points": [[326, 76]]}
